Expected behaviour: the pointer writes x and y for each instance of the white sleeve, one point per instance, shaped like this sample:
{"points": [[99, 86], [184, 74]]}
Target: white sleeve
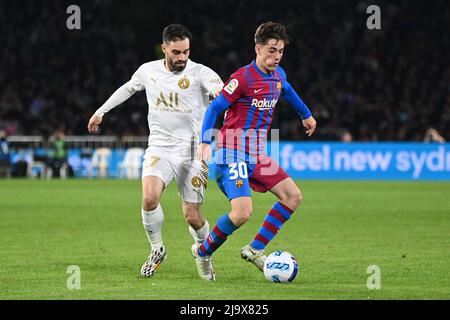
{"points": [[210, 80], [122, 94]]}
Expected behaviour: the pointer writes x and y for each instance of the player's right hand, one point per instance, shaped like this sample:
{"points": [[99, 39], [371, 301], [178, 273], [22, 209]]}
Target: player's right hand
{"points": [[93, 124], [204, 152], [205, 173]]}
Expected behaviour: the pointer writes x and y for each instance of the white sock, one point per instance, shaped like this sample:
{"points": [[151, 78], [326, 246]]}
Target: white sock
{"points": [[152, 221], [200, 234]]}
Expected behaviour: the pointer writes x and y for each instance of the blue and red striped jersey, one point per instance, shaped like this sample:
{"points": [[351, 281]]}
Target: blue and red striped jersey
{"points": [[252, 95]]}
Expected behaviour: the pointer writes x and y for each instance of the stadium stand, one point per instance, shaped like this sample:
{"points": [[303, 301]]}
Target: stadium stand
{"points": [[375, 85]]}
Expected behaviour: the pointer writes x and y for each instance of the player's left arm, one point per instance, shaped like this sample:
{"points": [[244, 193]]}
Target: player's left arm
{"points": [[289, 94], [211, 82]]}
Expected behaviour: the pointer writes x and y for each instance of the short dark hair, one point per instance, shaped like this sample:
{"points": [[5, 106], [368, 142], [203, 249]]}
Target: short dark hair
{"points": [[271, 30], [174, 32]]}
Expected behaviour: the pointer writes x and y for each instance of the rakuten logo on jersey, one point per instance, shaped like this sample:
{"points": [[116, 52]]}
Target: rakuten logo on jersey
{"points": [[264, 104]]}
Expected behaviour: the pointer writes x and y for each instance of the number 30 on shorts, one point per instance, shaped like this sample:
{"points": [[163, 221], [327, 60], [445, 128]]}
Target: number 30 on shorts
{"points": [[238, 170]]}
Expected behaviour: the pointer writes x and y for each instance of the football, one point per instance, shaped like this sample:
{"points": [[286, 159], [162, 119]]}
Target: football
{"points": [[280, 267]]}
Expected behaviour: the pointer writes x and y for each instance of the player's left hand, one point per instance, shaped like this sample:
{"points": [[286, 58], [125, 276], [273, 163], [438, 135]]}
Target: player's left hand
{"points": [[214, 94], [310, 125]]}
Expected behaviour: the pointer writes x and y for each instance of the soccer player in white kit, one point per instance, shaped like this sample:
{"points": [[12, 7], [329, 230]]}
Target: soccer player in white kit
{"points": [[178, 91]]}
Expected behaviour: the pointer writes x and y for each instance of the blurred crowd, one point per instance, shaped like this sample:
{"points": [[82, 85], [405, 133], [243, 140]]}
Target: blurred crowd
{"points": [[55, 78], [391, 84]]}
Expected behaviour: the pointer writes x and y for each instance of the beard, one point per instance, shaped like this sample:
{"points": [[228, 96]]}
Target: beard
{"points": [[176, 66]]}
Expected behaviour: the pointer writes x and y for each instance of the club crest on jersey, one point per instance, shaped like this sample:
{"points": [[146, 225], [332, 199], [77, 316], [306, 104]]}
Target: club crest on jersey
{"points": [[184, 83], [231, 86], [239, 183], [279, 86], [196, 182]]}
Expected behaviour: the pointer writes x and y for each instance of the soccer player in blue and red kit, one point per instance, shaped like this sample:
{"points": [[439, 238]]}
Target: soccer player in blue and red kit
{"points": [[250, 96]]}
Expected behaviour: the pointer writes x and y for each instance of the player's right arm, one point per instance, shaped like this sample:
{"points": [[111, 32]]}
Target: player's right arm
{"points": [[120, 95], [232, 91]]}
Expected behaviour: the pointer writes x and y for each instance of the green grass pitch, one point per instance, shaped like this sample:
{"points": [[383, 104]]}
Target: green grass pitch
{"points": [[340, 230]]}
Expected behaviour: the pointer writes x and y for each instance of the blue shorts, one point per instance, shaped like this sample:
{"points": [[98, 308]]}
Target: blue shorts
{"points": [[233, 180], [237, 179]]}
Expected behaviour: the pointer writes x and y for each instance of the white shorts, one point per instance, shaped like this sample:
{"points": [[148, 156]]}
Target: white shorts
{"points": [[170, 166]]}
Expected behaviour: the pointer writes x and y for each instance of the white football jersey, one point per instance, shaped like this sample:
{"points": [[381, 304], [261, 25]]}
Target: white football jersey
{"points": [[177, 102]]}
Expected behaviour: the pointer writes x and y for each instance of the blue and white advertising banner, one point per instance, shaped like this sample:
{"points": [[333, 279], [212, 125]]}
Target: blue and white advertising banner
{"points": [[320, 160], [352, 161]]}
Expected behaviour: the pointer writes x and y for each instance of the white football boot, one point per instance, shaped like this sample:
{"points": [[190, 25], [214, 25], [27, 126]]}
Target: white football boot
{"points": [[204, 264], [153, 262], [257, 257]]}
